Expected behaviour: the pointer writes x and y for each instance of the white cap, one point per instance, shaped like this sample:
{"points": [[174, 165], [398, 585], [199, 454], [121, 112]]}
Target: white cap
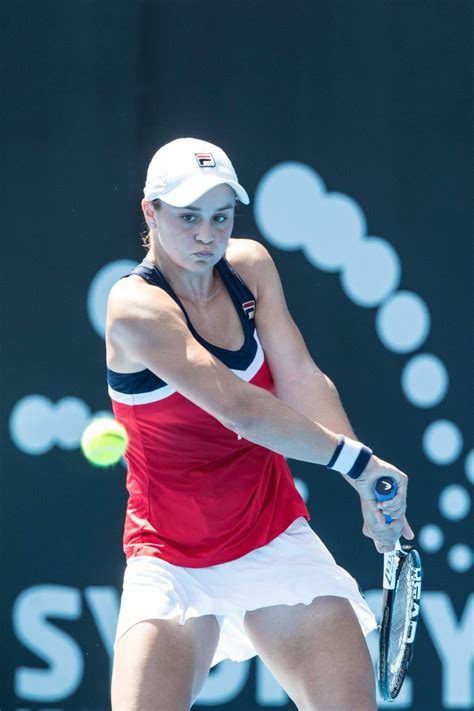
{"points": [[183, 170]]}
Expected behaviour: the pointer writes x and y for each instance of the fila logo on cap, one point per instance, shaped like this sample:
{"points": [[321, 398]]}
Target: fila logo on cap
{"points": [[249, 308], [205, 160]]}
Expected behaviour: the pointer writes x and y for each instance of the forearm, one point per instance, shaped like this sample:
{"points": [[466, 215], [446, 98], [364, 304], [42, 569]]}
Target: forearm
{"points": [[279, 426], [316, 397]]}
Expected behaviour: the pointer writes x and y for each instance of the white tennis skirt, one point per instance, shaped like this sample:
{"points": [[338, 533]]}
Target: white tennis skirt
{"points": [[295, 567]]}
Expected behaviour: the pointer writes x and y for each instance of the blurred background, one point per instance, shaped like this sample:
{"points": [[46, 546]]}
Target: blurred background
{"points": [[350, 126]]}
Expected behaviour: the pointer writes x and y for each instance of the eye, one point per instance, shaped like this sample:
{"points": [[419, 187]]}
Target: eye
{"points": [[188, 217], [220, 218]]}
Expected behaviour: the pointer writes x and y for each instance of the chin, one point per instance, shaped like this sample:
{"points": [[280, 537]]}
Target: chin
{"points": [[204, 263], [203, 266]]}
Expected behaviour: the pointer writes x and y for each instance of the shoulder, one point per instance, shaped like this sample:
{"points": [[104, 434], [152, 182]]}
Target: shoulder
{"points": [[251, 260], [242, 251], [135, 294], [135, 301]]}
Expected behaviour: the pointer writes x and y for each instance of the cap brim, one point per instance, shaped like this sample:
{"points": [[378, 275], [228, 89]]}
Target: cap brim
{"points": [[192, 190]]}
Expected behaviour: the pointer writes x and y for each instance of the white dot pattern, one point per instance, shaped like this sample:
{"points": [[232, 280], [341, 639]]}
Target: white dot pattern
{"points": [[442, 442], [460, 558], [454, 502], [425, 380]]}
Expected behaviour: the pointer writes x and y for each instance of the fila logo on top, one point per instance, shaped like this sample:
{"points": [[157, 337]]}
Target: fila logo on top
{"points": [[249, 308], [205, 160]]}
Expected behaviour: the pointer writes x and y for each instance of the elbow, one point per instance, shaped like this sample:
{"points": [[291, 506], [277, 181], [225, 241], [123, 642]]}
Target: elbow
{"points": [[238, 422], [242, 414]]}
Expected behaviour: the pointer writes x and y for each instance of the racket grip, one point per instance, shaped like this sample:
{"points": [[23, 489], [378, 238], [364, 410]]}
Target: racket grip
{"points": [[385, 488]]}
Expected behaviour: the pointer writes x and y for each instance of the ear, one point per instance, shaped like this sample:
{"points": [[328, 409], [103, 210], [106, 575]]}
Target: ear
{"points": [[149, 212]]}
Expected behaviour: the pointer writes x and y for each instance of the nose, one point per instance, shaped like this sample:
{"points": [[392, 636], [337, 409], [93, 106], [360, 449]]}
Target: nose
{"points": [[205, 233]]}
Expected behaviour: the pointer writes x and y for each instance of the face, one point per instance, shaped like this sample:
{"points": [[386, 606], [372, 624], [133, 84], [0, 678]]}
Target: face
{"points": [[195, 237]]}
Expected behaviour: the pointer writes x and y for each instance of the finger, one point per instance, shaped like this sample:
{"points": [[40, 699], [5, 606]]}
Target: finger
{"points": [[388, 543], [407, 531], [376, 515], [380, 518], [390, 519], [372, 516], [392, 515], [383, 547], [377, 545], [395, 506], [387, 533]]}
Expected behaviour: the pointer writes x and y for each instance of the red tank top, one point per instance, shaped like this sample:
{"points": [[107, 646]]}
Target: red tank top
{"points": [[199, 495]]}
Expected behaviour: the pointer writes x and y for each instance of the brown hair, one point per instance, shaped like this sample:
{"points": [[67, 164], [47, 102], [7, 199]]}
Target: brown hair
{"points": [[145, 233]]}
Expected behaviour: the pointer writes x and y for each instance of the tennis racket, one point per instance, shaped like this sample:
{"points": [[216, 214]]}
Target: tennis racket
{"points": [[400, 606]]}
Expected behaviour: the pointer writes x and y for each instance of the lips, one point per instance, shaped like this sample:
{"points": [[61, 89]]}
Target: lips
{"points": [[204, 254]]}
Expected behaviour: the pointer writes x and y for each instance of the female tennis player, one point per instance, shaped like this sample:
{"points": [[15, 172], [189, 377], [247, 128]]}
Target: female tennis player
{"points": [[212, 379]]}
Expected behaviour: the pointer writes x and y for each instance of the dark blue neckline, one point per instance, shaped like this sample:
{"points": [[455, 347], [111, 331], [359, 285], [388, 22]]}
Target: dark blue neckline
{"points": [[248, 338]]}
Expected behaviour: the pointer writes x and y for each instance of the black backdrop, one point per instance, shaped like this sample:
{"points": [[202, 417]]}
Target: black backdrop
{"points": [[375, 97]]}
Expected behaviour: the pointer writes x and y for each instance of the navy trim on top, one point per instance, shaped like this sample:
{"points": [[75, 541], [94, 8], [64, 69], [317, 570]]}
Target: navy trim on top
{"points": [[239, 293], [142, 381], [145, 380]]}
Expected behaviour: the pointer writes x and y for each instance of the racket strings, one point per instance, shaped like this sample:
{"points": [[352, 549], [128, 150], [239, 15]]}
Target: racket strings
{"points": [[401, 619]]}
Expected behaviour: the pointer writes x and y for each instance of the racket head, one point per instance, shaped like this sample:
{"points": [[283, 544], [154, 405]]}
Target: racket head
{"points": [[400, 611]]}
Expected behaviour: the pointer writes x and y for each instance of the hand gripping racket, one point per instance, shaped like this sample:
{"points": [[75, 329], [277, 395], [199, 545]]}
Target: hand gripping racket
{"points": [[400, 606]]}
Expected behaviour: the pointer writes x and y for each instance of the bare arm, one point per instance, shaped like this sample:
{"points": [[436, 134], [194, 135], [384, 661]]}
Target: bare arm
{"points": [[316, 396], [152, 330], [300, 383]]}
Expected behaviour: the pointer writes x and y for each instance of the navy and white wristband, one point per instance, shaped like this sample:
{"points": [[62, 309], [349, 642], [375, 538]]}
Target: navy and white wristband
{"points": [[350, 457]]}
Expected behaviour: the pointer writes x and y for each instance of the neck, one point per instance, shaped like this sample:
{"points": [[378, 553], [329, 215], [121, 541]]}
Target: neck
{"points": [[201, 286]]}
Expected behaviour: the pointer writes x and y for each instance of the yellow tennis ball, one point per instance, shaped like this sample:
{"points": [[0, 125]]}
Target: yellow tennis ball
{"points": [[104, 441]]}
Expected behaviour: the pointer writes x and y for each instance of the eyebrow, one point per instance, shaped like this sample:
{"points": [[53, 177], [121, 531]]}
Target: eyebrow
{"points": [[198, 209]]}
